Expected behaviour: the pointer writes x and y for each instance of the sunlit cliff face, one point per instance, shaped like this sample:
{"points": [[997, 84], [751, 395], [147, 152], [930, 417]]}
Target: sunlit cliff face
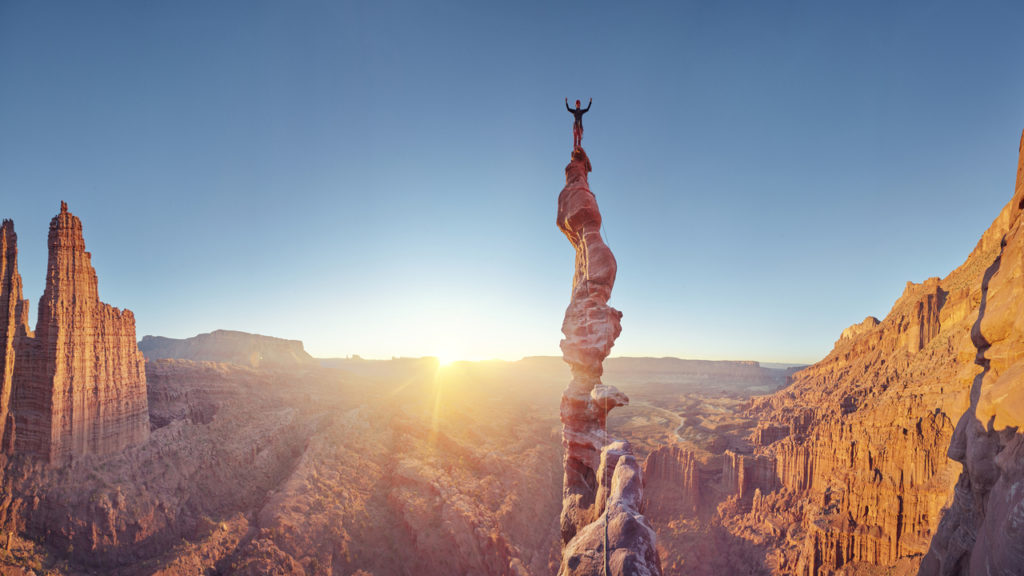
{"points": [[983, 532], [999, 332], [999, 335], [997, 397]]}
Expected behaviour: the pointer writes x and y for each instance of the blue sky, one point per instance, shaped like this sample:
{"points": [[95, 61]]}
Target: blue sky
{"points": [[380, 178]]}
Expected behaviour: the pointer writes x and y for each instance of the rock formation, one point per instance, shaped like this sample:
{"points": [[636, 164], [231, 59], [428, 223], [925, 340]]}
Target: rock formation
{"points": [[859, 440], [242, 348], [857, 329], [671, 481], [78, 385], [603, 531], [13, 327], [743, 474], [983, 531]]}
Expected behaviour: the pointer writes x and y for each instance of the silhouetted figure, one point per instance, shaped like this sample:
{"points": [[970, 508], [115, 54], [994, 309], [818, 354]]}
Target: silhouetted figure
{"points": [[577, 126]]}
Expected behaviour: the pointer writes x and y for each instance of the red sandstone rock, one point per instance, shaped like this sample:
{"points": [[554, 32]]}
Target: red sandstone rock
{"points": [[745, 474], [13, 327], [858, 329], [591, 327], [672, 480], [859, 440], [630, 539], [861, 470], [79, 385], [983, 531]]}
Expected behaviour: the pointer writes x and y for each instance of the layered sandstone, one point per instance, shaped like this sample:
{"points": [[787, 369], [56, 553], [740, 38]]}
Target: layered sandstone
{"points": [[983, 531], [745, 474], [242, 348], [13, 327], [79, 384], [602, 528], [859, 440], [672, 481], [858, 329]]}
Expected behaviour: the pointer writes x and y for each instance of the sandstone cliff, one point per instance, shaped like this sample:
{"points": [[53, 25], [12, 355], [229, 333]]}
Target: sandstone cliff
{"points": [[602, 528], [983, 532], [858, 441], [78, 385], [244, 349], [672, 480]]}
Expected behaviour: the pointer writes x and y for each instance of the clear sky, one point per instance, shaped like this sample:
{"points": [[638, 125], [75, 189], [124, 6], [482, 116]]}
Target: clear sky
{"points": [[380, 178]]}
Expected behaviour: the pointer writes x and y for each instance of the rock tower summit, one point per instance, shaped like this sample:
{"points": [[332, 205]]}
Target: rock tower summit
{"points": [[603, 531], [78, 385]]}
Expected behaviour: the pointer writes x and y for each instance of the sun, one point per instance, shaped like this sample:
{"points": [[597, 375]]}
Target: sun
{"points": [[446, 359]]}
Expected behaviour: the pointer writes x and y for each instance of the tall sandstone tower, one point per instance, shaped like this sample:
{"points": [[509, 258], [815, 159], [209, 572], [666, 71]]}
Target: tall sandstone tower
{"points": [[13, 327], [78, 385]]}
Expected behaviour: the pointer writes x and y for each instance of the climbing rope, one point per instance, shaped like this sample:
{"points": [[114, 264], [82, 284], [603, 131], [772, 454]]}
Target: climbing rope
{"points": [[604, 444]]}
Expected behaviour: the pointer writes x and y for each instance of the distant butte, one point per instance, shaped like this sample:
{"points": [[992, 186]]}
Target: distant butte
{"points": [[230, 346], [78, 385]]}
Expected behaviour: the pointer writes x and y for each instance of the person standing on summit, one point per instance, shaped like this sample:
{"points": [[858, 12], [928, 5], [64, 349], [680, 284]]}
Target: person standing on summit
{"points": [[577, 126]]}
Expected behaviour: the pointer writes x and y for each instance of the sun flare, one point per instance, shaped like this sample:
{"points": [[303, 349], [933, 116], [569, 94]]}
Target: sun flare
{"points": [[451, 355], [446, 359]]}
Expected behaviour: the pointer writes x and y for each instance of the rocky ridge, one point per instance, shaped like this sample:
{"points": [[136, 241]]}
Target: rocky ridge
{"points": [[602, 526]]}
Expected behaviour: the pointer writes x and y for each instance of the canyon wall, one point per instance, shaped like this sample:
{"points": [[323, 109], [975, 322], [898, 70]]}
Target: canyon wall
{"points": [[983, 531], [672, 481], [859, 440], [78, 385], [743, 475], [603, 530]]}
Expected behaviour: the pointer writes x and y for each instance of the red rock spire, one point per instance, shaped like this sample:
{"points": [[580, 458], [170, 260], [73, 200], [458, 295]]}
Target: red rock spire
{"points": [[13, 326], [602, 488], [80, 383]]}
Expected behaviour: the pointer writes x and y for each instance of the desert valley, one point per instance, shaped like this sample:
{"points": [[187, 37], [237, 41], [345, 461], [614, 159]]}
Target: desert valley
{"points": [[400, 288], [896, 454]]}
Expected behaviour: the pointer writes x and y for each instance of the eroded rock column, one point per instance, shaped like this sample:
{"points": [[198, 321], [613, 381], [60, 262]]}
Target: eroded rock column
{"points": [[13, 327], [602, 490]]}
